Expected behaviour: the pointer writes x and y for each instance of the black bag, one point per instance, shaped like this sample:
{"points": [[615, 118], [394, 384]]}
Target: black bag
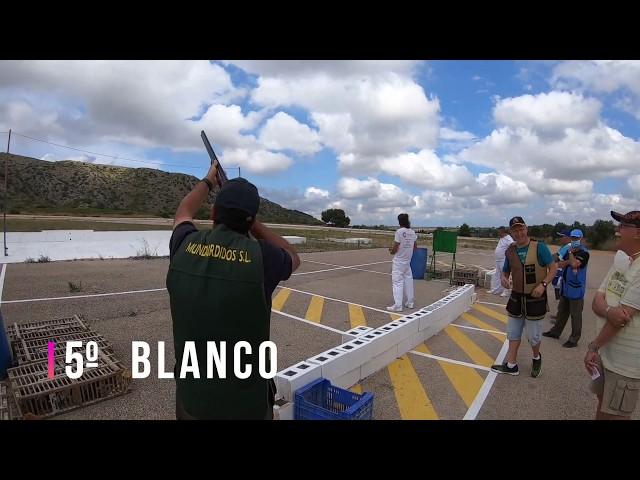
{"points": [[534, 308]]}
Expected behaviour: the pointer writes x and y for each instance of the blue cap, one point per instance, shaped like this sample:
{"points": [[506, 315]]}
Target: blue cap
{"points": [[576, 232]]}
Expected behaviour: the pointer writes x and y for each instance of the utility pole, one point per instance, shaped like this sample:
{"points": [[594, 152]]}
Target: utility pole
{"points": [[6, 172]]}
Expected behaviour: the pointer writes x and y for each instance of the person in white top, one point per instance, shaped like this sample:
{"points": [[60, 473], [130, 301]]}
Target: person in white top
{"points": [[503, 244], [613, 358], [401, 276]]}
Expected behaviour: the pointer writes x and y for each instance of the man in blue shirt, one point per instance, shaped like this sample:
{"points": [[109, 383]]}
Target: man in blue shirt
{"points": [[531, 267], [574, 286]]}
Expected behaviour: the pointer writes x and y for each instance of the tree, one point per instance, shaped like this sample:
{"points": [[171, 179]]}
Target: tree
{"points": [[601, 231], [464, 231], [336, 216]]}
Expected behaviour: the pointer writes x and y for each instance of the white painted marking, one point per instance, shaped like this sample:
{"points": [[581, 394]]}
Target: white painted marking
{"points": [[450, 360], [475, 407]]}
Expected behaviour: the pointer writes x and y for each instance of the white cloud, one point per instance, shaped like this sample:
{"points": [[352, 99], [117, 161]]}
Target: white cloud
{"points": [[313, 193], [256, 161], [555, 142], [548, 113], [634, 184], [598, 75], [373, 194], [427, 170], [282, 131], [449, 134], [143, 103], [363, 110]]}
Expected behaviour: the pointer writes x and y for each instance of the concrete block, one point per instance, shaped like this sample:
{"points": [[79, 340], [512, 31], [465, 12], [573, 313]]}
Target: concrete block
{"points": [[354, 333], [379, 362], [358, 351], [333, 363], [297, 376], [349, 379], [285, 411]]}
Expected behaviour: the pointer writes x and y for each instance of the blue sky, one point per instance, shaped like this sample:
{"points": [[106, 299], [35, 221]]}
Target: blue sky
{"points": [[446, 141]]}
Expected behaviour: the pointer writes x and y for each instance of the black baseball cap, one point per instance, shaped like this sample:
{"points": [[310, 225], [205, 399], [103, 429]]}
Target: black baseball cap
{"points": [[241, 194], [517, 221], [630, 218]]}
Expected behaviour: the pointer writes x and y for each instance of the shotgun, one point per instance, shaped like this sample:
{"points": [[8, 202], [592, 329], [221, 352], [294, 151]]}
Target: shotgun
{"points": [[221, 175]]}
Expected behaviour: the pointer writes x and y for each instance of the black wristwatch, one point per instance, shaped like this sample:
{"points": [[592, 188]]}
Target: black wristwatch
{"points": [[208, 182]]}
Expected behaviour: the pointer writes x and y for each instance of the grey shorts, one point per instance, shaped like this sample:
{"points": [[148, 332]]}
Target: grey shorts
{"points": [[619, 393], [515, 326]]}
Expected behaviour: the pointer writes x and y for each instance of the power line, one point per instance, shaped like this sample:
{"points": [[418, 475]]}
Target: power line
{"points": [[115, 157]]}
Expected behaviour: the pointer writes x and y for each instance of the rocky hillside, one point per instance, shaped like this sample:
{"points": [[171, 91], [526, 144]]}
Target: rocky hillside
{"points": [[77, 188]]}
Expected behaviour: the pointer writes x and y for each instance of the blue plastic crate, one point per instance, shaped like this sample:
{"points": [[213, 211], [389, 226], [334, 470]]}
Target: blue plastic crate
{"points": [[320, 400]]}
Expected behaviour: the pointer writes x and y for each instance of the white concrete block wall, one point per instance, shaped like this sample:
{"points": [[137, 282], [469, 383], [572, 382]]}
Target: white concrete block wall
{"points": [[357, 351], [349, 379], [284, 412], [295, 240], [333, 363], [368, 350], [378, 342], [413, 341], [379, 362], [354, 333], [297, 376]]}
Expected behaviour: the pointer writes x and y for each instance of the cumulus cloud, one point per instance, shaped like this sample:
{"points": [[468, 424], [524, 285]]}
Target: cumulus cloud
{"points": [[282, 131]]}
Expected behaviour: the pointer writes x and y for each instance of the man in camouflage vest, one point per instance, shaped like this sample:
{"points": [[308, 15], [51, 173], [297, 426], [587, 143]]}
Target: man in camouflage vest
{"points": [[531, 267]]}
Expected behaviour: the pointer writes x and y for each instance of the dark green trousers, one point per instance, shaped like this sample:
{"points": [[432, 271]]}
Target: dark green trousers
{"points": [[568, 307]]}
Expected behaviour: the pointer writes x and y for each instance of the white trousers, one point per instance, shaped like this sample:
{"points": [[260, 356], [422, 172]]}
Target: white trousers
{"points": [[496, 285], [401, 278]]}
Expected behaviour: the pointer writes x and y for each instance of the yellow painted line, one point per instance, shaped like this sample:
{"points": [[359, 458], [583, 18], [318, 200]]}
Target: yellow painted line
{"points": [[395, 316], [465, 380], [314, 312], [479, 323], [356, 316], [413, 402], [474, 352], [357, 388], [280, 299], [489, 312]]}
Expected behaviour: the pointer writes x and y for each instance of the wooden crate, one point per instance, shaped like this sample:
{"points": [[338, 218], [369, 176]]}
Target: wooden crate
{"points": [[38, 396], [463, 276], [35, 330]]}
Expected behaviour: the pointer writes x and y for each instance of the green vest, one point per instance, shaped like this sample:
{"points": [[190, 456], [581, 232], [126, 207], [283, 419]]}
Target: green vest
{"points": [[216, 290]]}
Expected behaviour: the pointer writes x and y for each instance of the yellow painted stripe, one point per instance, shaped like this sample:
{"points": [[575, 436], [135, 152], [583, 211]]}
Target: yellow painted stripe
{"points": [[357, 388], [475, 353], [356, 316], [314, 312], [395, 316], [489, 312], [465, 380], [280, 299], [413, 402], [480, 324]]}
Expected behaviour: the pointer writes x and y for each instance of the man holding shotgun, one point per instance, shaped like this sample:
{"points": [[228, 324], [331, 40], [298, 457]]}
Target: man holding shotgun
{"points": [[220, 283]]}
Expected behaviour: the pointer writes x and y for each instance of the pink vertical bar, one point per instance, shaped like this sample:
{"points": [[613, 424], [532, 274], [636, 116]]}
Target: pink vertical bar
{"points": [[50, 356]]}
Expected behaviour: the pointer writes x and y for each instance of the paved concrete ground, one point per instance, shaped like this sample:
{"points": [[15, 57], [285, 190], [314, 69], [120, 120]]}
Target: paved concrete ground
{"points": [[446, 378]]}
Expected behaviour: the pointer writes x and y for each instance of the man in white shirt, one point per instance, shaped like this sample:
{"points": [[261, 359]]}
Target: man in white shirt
{"points": [[401, 276], [503, 244], [613, 358]]}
